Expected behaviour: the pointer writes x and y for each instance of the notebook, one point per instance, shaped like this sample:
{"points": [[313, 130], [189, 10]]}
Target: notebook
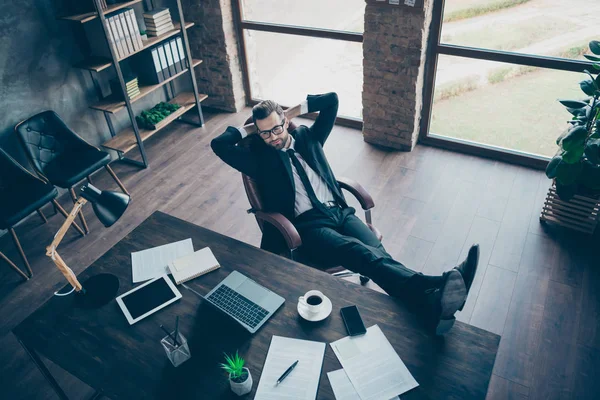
{"points": [[194, 265]]}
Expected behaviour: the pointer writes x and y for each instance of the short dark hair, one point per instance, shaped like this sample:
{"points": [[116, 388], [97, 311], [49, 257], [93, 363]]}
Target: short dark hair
{"points": [[263, 109]]}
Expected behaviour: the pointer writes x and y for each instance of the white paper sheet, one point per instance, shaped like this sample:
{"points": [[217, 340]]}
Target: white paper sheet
{"points": [[303, 382], [342, 387], [373, 366], [152, 263]]}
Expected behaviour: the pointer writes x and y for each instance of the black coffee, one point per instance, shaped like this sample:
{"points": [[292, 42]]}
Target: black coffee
{"points": [[314, 300]]}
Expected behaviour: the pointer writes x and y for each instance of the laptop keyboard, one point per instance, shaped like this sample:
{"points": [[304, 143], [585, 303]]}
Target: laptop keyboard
{"points": [[237, 306]]}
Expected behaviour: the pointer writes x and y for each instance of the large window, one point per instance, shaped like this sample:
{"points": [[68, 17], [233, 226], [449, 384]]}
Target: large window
{"points": [[500, 66], [294, 48]]}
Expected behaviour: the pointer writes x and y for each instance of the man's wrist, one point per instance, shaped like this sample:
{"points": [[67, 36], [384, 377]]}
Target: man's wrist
{"points": [[304, 107]]}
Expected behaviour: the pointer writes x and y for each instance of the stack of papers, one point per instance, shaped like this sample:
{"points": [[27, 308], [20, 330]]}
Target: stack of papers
{"points": [[372, 366], [342, 387], [152, 263], [302, 383]]}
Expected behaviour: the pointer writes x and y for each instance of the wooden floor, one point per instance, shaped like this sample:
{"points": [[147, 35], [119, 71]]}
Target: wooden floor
{"points": [[539, 289]]}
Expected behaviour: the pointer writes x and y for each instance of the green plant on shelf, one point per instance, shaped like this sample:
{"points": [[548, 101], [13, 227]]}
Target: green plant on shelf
{"points": [[576, 166], [149, 118]]}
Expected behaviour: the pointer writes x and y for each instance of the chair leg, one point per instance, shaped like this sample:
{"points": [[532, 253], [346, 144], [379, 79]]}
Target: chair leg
{"points": [[42, 216], [81, 217], [64, 213], [114, 176], [13, 266], [18, 244]]}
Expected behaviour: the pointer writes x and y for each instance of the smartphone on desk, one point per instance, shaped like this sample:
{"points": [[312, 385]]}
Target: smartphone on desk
{"points": [[353, 321]]}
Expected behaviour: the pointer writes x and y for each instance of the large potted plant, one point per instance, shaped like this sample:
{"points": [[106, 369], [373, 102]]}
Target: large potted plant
{"points": [[240, 379], [575, 168]]}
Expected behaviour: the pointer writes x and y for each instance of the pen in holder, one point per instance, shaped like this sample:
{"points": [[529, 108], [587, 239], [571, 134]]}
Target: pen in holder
{"points": [[178, 352]]}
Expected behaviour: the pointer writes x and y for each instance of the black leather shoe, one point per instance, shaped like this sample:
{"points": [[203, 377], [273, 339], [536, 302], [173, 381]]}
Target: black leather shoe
{"points": [[447, 300], [468, 267]]}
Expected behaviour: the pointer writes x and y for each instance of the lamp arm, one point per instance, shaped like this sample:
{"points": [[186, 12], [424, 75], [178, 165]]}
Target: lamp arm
{"points": [[51, 249]]}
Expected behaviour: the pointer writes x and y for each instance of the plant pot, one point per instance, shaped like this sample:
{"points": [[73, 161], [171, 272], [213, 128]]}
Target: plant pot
{"points": [[144, 37], [581, 213], [242, 388]]}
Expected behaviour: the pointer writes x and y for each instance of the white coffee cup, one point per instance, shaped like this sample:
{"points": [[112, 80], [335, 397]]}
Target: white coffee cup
{"points": [[312, 302]]}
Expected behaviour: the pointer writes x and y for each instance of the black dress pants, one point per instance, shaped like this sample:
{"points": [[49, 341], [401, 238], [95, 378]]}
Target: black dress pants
{"points": [[341, 238]]}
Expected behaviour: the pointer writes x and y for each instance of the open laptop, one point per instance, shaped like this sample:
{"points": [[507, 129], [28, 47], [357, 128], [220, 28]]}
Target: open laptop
{"points": [[244, 300]]}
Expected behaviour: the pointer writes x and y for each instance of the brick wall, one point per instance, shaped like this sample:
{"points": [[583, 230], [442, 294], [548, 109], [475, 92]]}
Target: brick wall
{"points": [[394, 46], [213, 39]]}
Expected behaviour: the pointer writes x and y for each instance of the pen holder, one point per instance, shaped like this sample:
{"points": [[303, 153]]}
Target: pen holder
{"points": [[176, 354]]}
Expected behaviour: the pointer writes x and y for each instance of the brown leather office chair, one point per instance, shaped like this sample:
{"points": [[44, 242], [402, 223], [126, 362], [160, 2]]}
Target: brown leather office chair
{"points": [[287, 229]]}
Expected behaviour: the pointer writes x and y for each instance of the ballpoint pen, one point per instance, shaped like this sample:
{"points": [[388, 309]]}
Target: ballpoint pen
{"points": [[287, 372]]}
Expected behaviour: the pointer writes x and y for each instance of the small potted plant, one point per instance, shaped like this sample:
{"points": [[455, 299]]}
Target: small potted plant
{"points": [[575, 169], [143, 35], [240, 379]]}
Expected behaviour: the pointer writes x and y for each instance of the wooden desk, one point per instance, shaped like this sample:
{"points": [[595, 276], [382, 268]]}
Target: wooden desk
{"points": [[127, 362]]}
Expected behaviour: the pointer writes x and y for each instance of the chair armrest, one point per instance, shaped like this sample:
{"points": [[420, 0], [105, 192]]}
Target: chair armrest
{"points": [[284, 226], [363, 197]]}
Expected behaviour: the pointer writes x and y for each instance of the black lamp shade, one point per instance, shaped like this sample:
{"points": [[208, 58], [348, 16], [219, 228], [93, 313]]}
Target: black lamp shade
{"points": [[108, 206]]}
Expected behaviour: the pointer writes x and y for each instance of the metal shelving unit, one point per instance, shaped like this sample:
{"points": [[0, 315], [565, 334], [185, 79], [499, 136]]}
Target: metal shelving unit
{"points": [[129, 138]]}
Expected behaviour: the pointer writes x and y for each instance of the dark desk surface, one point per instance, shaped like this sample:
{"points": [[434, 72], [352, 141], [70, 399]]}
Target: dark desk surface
{"points": [[127, 362]]}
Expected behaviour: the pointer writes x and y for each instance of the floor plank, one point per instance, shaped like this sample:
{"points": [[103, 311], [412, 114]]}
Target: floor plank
{"points": [[483, 232], [553, 374], [515, 223], [502, 389], [494, 299]]}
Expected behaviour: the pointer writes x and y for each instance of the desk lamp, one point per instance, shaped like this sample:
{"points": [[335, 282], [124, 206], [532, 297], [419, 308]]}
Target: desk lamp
{"points": [[108, 207]]}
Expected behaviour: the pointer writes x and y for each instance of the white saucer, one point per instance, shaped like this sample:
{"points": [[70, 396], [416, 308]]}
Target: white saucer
{"points": [[321, 315]]}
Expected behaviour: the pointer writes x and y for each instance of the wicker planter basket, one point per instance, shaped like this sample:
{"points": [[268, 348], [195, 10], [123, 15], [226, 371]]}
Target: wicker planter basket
{"points": [[581, 213]]}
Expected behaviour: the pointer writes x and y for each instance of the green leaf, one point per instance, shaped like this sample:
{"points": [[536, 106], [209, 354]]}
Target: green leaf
{"points": [[590, 176], [592, 151], [574, 138], [567, 174], [591, 57], [572, 103], [566, 192], [551, 169], [595, 47], [588, 86], [573, 156], [576, 111], [595, 65]]}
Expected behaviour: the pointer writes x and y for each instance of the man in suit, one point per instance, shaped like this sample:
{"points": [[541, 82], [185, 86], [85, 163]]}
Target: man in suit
{"points": [[296, 180]]}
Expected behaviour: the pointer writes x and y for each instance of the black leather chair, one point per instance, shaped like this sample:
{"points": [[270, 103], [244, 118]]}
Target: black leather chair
{"points": [[60, 155], [22, 193]]}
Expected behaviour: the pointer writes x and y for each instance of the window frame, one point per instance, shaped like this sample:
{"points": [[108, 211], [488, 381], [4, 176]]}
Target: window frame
{"points": [[435, 48], [243, 24]]}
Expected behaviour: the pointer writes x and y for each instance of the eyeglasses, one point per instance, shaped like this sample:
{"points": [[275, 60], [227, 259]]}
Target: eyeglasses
{"points": [[277, 130]]}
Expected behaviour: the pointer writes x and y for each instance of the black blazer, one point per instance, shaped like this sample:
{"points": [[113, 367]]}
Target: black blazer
{"points": [[272, 169]]}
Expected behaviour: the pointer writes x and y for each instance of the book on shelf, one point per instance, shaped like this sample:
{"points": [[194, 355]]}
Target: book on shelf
{"points": [[184, 61], [176, 57], [134, 29], [156, 13], [160, 31], [161, 62], [127, 39], [122, 32], [158, 21], [114, 32]]}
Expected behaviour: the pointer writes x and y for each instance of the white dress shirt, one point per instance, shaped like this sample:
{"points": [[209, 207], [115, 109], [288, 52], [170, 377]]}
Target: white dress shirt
{"points": [[322, 191]]}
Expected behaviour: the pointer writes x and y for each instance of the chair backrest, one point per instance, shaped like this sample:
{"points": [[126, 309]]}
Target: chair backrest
{"points": [[12, 173], [250, 185], [45, 136]]}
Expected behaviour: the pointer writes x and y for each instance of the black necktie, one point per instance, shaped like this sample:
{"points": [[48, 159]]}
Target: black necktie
{"points": [[306, 182]]}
